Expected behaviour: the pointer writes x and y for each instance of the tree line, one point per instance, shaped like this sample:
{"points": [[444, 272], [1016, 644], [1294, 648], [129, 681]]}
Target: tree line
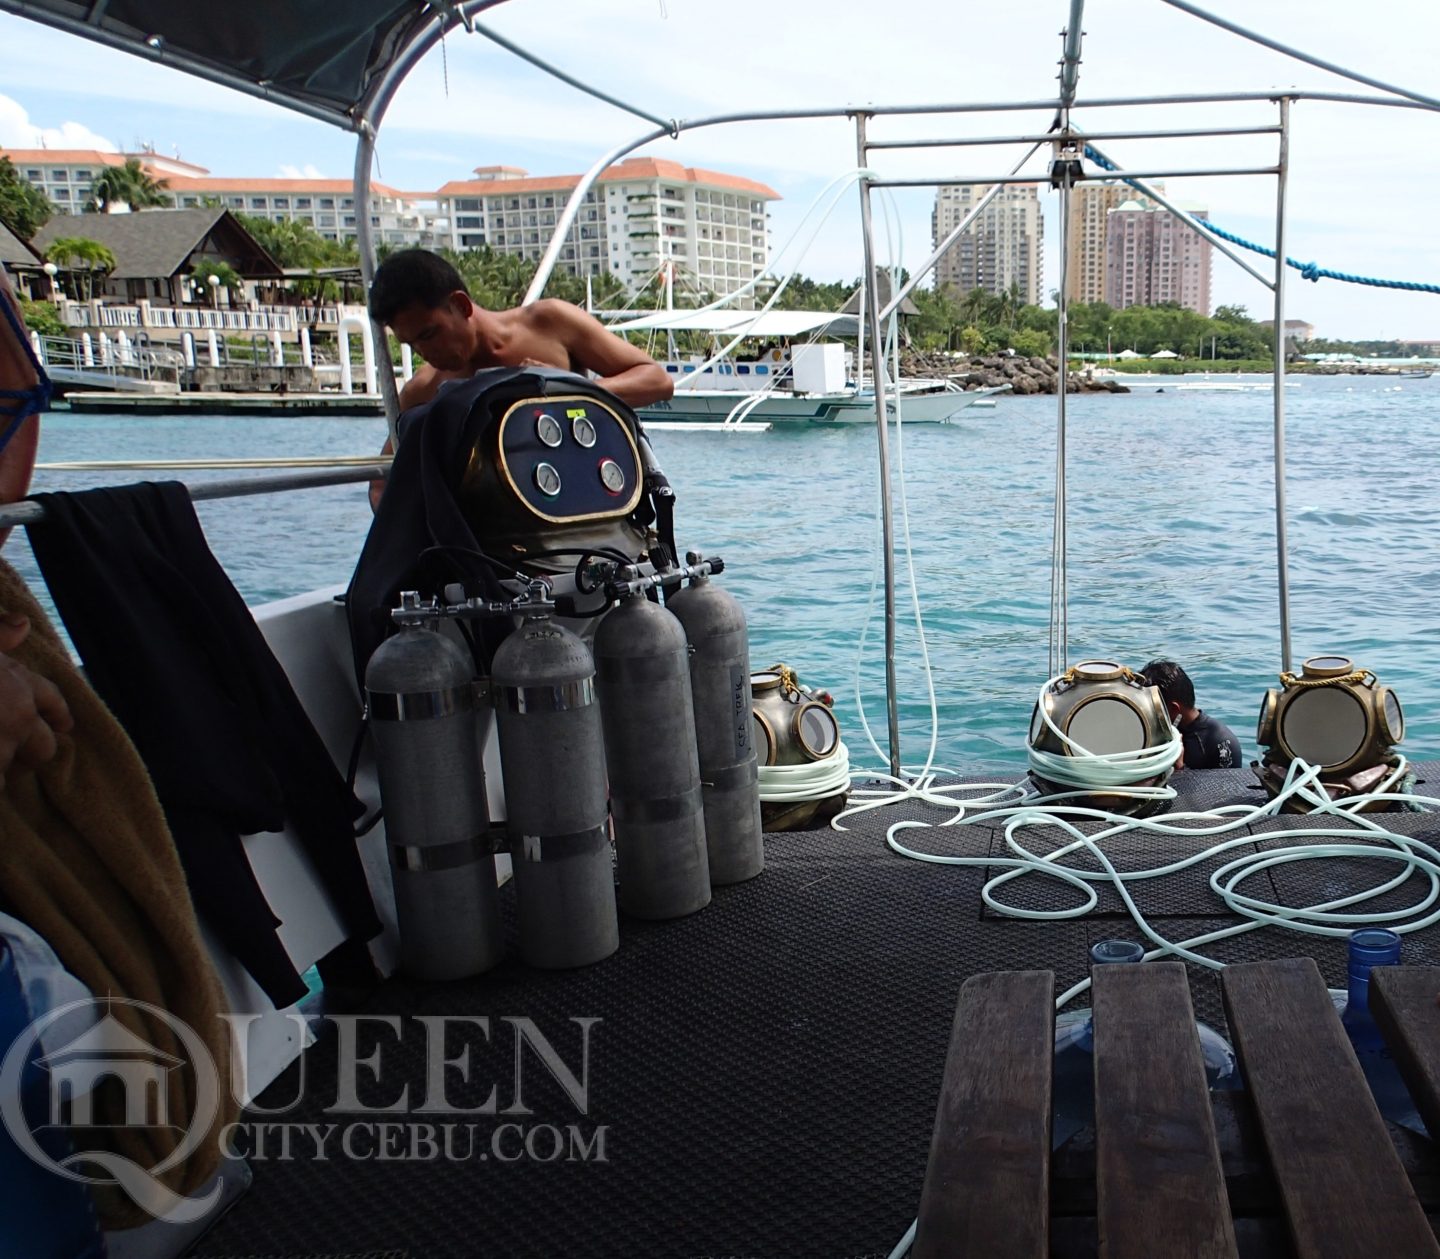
{"points": [[974, 323]]}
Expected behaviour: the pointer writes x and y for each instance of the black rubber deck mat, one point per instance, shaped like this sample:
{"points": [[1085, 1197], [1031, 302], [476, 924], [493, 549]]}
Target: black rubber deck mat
{"points": [[765, 1074]]}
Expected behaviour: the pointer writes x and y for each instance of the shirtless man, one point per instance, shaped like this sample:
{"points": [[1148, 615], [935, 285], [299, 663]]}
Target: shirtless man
{"points": [[423, 300]]}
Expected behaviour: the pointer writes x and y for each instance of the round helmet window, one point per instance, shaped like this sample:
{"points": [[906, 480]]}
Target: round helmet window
{"points": [[1106, 725], [1324, 726], [817, 729]]}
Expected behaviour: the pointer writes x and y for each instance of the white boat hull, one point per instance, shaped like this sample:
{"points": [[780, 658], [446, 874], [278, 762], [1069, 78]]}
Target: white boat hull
{"points": [[717, 406]]}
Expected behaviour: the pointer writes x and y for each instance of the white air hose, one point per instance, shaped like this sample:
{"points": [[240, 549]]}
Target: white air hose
{"points": [[785, 784]]}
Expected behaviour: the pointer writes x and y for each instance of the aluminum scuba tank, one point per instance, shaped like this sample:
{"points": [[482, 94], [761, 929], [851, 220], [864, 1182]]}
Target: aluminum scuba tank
{"points": [[553, 758], [714, 624], [642, 671], [420, 690]]}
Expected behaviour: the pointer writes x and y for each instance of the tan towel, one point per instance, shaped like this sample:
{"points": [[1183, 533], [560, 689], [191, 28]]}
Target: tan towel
{"points": [[86, 859]]}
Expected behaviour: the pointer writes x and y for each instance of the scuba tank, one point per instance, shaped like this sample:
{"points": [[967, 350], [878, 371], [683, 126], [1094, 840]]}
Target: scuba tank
{"points": [[714, 624], [643, 677], [420, 691], [551, 751]]}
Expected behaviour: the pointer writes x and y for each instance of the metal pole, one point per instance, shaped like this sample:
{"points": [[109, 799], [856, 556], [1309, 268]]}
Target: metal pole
{"points": [[1059, 591], [365, 246], [877, 377], [27, 512], [1281, 547]]}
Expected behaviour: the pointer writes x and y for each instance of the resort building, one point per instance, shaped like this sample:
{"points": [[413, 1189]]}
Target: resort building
{"points": [[328, 205], [710, 229], [1003, 248], [1090, 206], [1154, 257]]}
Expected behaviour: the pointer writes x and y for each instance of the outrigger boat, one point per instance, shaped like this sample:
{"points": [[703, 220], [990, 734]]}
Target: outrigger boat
{"points": [[788, 382], [759, 1077]]}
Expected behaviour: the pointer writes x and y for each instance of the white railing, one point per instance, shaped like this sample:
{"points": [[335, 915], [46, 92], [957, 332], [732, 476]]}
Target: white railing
{"points": [[284, 319]]}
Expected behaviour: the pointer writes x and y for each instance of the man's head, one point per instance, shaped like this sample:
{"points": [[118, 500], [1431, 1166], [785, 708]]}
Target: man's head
{"points": [[424, 301], [1173, 684]]}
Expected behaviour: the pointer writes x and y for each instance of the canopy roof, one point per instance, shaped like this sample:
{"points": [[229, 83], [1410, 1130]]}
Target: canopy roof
{"points": [[773, 323], [324, 59]]}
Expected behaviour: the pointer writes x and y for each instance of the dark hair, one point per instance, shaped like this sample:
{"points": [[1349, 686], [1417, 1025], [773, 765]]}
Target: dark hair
{"points": [[1173, 682], [412, 277]]}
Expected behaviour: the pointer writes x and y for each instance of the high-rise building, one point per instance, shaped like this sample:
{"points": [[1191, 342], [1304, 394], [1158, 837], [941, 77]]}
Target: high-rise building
{"points": [[1154, 257], [1090, 206], [1004, 247]]}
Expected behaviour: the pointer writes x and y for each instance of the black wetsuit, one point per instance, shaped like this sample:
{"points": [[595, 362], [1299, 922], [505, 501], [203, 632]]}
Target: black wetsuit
{"points": [[1210, 744]]}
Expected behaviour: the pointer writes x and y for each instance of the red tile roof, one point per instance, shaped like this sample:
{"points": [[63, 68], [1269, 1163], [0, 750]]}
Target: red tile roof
{"points": [[631, 168]]}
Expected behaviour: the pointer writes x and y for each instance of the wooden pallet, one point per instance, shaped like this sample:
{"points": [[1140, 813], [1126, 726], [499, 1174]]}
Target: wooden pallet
{"points": [[1300, 1165]]}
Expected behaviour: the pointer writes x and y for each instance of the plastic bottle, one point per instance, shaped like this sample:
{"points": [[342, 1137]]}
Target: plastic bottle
{"points": [[1375, 946], [1075, 1053]]}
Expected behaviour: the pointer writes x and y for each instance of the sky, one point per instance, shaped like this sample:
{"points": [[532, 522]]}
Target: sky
{"points": [[1363, 184]]}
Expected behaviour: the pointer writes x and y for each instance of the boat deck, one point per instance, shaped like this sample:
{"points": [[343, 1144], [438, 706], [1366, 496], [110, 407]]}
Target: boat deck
{"points": [[766, 1071]]}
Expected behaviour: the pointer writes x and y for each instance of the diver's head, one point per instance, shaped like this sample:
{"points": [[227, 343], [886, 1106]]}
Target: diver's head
{"points": [[1174, 686], [426, 304]]}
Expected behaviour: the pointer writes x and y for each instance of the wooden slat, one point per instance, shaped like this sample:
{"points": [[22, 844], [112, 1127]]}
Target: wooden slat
{"points": [[987, 1185], [1159, 1186], [1405, 1001], [1345, 1192]]}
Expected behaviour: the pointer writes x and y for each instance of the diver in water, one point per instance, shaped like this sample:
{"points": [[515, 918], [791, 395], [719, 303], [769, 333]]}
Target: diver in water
{"points": [[425, 303], [1208, 742]]}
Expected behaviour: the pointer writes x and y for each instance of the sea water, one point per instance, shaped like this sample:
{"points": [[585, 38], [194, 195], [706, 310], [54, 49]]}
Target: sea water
{"points": [[1171, 547]]}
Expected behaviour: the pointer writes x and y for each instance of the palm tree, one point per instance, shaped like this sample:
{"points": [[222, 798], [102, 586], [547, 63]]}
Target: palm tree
{"points": [[83, 258], [131, 185]]}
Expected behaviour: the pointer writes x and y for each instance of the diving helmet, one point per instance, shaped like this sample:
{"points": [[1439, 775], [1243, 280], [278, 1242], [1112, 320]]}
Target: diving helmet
{"points": [[1101, 708], [794, 725], [1333, 716], [553, 463]]}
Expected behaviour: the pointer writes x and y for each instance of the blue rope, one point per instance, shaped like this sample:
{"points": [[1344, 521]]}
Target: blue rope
{"points": [[1310, 270]]}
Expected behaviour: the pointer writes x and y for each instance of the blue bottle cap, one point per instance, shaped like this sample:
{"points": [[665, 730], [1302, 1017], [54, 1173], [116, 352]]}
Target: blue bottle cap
{"points": [[1106, 952]]}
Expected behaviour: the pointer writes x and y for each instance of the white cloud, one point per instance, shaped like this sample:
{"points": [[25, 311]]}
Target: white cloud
{"points": [[308, 171], [18, 132]]}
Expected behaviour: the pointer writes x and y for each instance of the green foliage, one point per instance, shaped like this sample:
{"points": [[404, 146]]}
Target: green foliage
{"points": [[974, 342], [42, 317], [84, 259], [130, 185], [24, 209], [1031, 342], [227, 275]]}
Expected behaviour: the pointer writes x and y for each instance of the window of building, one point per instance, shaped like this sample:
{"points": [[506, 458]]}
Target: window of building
{"points": [[348, 221], [325, 220], [327, 203], [469, 220], [257, 203], [347, 203], [35, 176], [302, 203], [467, 203], [61, 194]]}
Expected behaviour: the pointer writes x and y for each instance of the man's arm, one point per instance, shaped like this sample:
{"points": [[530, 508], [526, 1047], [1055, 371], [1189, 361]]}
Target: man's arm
{"points": [[625, 370], [420, 388]]}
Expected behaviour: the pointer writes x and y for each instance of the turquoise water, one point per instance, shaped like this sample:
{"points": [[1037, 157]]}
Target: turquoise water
{"points": [[1171, 523]]}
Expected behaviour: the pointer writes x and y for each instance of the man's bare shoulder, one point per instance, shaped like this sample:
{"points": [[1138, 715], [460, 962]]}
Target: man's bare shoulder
{"points": [[422, 386]]}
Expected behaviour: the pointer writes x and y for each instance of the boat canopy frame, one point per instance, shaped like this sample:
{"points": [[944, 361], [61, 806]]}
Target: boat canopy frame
{"points": [[345, 66]]}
